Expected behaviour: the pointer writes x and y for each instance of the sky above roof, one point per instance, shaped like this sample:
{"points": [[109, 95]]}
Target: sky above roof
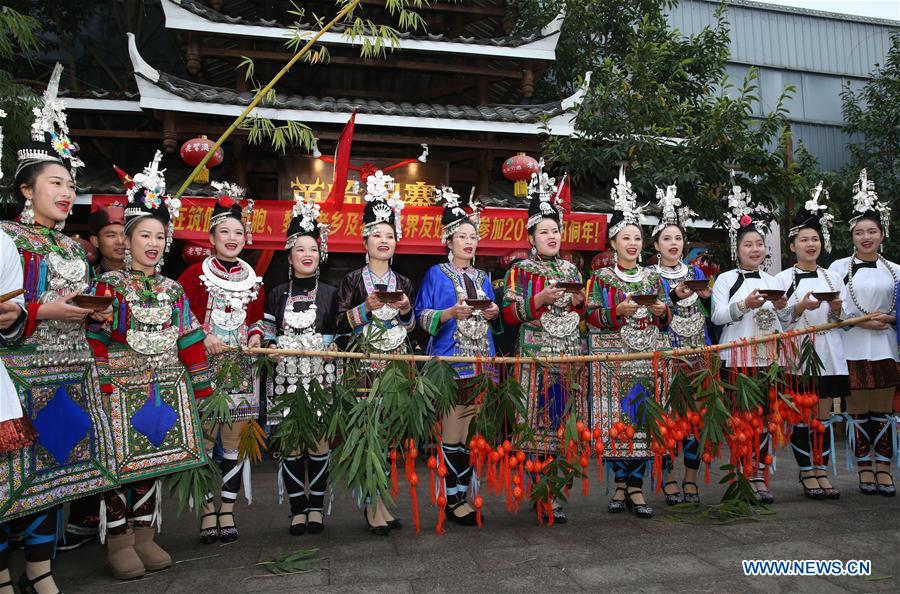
{"points": [[882, 9]]}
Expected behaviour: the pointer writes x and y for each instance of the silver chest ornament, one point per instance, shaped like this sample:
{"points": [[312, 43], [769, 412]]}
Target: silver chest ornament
{"points": [[229, 298], [62, 341], [637, 338], [764, 318], [689, 327], [560, 328], [385, 337], [300, 334], [151, 331]]}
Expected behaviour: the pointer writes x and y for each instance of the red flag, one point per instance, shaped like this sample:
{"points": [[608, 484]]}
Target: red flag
{"points": [[342, 163], [564, 194]]}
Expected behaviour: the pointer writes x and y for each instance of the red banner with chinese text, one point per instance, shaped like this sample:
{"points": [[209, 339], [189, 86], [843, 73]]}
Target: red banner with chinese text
{"points": [[502, 229]]}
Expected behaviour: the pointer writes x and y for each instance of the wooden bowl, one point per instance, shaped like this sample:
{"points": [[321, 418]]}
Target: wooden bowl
{"points": [[570, 286], [771, 294], [645, 299], [697, 284], [389, 296], [825, 295], [93, 302], [479, 303]]}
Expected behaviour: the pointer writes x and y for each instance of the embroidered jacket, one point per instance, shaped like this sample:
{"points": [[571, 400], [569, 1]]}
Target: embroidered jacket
{"points": [[151, 290], [247, 287], [525, 279]]}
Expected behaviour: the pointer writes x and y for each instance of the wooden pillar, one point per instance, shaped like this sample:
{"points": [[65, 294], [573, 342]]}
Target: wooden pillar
{"points": [[192, 60], [527, 81], [169, 138]]}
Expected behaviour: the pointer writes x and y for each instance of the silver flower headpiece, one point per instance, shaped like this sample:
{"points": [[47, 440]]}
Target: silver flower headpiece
{"points": [[544, 188], [866, 200], [380, 188], [741, 213], [153, 181], [819, 212], [50, 122], [236, 193], [671, 210], [624, 201], [308, 212], [451, 203]]}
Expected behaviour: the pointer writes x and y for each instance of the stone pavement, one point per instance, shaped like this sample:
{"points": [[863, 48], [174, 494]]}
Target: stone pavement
{"points": [[595, 551]]}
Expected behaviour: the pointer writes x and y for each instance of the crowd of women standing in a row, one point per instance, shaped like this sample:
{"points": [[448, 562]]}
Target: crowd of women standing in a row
{"points": [[104, 399]]}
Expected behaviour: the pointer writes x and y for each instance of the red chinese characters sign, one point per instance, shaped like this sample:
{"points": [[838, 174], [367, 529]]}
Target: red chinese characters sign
{"points": [[502, 229]]}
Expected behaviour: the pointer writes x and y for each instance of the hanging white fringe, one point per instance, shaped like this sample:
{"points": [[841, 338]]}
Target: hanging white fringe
{"points": [[894, 422], [157, 511], [851, 441], [102, 526], [280, 479], [245, 479]]}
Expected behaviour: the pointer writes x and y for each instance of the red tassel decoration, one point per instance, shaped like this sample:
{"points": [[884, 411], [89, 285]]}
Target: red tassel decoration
{"points": [[395, 483]]}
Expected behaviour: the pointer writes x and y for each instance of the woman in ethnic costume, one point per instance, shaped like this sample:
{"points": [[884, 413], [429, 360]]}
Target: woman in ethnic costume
{"points": [[803, 281], [457, 328], [549, 317], [300, 314], [690, 310], [382, 327], [624, 326], [226, 297], [867, 286], [55, 429], [156, 342], [744, 312]]}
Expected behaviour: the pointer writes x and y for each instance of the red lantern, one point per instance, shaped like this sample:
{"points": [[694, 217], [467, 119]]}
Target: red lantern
{"points": [[518, 169], [193, 151], [573, 257], [602, 260], [513, 257], [193, 254]]}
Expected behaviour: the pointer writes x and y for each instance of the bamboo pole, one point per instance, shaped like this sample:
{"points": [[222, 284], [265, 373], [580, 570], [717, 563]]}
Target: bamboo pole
{"points": [[665, 354], [263, 92]]}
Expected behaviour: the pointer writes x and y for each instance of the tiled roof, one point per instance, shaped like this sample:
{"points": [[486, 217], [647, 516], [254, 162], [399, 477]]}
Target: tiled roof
{"points": [[217, 17], [522, 114]]}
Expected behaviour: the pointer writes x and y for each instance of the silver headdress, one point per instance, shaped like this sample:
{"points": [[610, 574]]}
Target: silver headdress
{"points": [[454, 214], [741, 214], [671, 211], [545, 200], [383, 204], [815, 215], [865, 201], [305, 221], [146, 193], [235, 193], [625, 208], [49, 132]]}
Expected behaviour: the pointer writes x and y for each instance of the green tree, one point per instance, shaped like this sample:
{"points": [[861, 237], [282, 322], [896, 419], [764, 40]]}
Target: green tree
{"points": [[18, 37], [872, 117], [661, 100]]}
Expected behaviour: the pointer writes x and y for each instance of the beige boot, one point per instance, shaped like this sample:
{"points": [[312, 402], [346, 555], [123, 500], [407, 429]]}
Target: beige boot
{"points": [[152, 555], [123, 560]]}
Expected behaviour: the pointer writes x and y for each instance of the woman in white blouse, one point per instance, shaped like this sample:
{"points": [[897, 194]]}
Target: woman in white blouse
{"points": [[813, 296], [745, 312], [867, 287]]}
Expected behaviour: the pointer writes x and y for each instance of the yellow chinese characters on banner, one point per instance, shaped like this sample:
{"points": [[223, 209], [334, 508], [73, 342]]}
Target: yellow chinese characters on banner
{"points": [[417, 193], [502, 229]]}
